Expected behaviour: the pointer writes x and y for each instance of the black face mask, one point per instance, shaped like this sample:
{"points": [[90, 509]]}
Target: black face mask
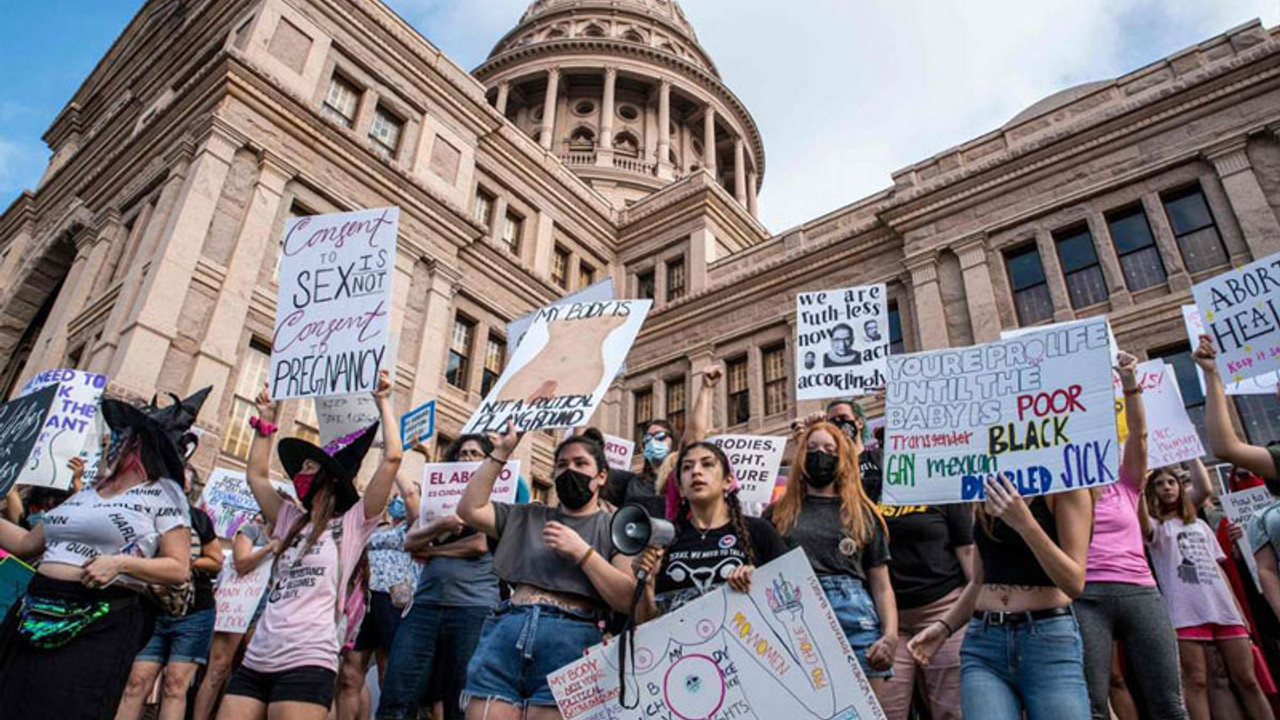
{"points": [[820, 469], [574, 489], [850, 429]]}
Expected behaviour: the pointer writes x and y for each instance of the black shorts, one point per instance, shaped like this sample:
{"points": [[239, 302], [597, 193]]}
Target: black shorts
{"points": [[381, 621], [308, 684]]}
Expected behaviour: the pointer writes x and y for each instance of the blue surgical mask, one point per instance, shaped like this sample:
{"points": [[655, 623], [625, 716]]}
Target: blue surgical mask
{"points": [[655, 451], [395, 508], [34, 519]]}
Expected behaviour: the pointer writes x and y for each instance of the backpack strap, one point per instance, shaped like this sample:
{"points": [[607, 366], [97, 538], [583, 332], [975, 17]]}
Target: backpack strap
{"points": [[336, 531]]}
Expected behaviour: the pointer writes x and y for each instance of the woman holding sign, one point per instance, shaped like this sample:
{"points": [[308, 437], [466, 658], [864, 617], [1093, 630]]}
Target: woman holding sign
{"points": [[292, 661], [565, 576]]}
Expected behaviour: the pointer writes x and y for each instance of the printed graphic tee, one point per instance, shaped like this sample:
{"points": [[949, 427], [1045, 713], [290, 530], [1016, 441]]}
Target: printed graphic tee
{"points": [[698, 561], [88, 525], [1186, 560]]}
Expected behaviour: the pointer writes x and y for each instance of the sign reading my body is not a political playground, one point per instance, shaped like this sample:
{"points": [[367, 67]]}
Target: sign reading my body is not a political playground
{"points": [[558, 375], [1241, 313], [1038, 407], [842, 342], [331, 331]]}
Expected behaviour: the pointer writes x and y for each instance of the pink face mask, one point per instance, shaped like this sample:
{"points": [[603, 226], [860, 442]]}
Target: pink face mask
{"points": [[302, 483]]}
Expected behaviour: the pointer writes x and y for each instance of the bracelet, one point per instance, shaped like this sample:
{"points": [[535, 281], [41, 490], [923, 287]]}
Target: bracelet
{"points": [[489, 456], [950, 631], [1134, 391], [585, 556], [264, 428]]}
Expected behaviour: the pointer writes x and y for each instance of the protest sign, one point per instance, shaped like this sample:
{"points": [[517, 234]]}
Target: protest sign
{"points": [[1113, 349], [558, 375], [1241, 313], [21, 424], [618, 451], [1038, 407], [1240, 507], [1264, 384], [343, 415], [418, 424], [334, 304], [229, 502], [71, 430], [15, 575], [444, 483], [775, 652], [842, 342], [598, 293], [1171, 436], [238, 595], [754, 461]]}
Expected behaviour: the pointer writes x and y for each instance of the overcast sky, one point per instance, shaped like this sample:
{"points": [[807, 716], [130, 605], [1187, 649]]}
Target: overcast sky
{"points": [[844, 91]]}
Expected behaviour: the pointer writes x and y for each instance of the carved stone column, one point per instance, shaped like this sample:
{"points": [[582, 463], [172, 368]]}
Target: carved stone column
{"points": [[1253, 212], [930, 316]]}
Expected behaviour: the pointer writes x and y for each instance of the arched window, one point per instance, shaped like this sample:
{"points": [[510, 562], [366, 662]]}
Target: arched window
{"points": [[555, 33], [633, 36], [593, 30], [626, 144], [582, 139]]}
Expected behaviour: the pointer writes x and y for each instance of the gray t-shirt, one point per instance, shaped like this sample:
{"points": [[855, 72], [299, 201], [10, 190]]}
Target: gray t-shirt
{"points": [[459, 582], [1264, 528], [522, 556]]}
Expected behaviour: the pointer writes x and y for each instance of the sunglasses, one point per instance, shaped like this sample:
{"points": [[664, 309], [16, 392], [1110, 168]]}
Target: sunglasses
{"points": [[659, 436]]}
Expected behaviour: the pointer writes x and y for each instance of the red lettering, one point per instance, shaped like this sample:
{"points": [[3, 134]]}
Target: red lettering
{"points": [[1056, 402]]}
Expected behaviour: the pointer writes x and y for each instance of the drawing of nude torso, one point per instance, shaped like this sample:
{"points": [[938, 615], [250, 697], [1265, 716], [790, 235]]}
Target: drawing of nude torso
{"points": [[571, 363]]}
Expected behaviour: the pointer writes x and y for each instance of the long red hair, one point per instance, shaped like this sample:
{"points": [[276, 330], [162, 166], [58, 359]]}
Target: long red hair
{"points": [[858, 514]]}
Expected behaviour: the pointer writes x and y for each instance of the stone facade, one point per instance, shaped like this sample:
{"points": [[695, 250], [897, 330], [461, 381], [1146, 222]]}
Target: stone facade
{"points": [[148, 250]]}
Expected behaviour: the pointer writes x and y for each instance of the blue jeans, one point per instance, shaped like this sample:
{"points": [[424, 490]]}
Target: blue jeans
{"points": [[520, 646], [183, 639], [431, 637], [1036, 666], [857, 614]]}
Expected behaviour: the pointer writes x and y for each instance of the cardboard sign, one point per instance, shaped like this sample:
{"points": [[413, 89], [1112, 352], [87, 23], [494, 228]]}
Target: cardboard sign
{"points": [[559, 374], [238, 595], [229, 502], [1241, 312], [754, 461], [1240, 507], [842, 342], [333, 310], [343, 415], [1264, 384], [444, 483], [1113, 348], [1038, 407], [22, 424], [776, 652], [1171, 436], [418, 424], [598, 293], [71, 430], [618, 451]]}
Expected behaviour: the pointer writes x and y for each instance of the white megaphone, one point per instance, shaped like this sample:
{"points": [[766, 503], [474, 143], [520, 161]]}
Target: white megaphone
{"points": [[633, 530]]}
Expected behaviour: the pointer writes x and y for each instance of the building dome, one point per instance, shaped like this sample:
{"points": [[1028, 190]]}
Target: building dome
{"points": [[623, 93]]}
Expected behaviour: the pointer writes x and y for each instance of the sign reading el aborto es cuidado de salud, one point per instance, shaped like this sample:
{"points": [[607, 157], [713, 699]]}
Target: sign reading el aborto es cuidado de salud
{"points": [[333, 309], [1038, 408], [1241, 313]]}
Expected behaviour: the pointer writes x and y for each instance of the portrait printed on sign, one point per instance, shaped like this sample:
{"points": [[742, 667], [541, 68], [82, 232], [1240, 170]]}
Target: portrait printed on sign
{"points": [[841, 342], [332, 312], [1241, 313], [1038, 409]]}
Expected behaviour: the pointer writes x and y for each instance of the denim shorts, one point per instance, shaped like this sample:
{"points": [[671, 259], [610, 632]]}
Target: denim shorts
{"points": [[857, 614], [180, 639], [520, 645]]}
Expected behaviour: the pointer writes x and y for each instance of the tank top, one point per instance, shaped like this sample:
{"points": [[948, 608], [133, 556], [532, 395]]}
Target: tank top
{"points": [[1006, 557]]}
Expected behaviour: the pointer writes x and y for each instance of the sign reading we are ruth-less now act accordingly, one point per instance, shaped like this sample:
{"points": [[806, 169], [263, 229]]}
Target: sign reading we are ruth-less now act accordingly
{"points": [[1038, 408], [332, 313], [842, 342], [1241, 313]]}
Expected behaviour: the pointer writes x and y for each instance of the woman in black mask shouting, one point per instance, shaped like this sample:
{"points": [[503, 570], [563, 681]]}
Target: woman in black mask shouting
{"points": [[565, 576], [826, 511]]}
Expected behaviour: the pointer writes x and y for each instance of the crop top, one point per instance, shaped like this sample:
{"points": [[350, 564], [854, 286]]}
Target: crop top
{"points": [[88, 525], [1006, 557]]}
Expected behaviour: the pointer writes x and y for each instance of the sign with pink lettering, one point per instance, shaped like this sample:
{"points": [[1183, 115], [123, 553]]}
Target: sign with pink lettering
{"points": [[1241, 312], [238, 595], [1264, 384], [444, 483], [1171, 436], [334, 306], [775, 652], [618, 451]]}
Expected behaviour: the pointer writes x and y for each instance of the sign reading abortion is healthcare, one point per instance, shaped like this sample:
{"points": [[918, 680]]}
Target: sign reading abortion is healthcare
{"points": [[331, 332], [1038, 408], [1241, 312]]}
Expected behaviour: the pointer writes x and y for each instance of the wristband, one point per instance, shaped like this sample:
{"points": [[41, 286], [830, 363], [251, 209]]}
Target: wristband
{"points": [[264, 428], [950, 631], [489, 456], [1134, 391], [585, 556]]}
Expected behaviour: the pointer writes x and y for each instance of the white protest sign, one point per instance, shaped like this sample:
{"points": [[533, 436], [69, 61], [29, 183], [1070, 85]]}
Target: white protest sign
{"points": [[1241, 312], [842, 341], [618, 451], [1113, 348], [775, 652], [70, 430], [229, 502], [559, 374], [1171, 436], [444, 483], [238, 595], [754, 461], [343, 415], [1038, 407], [1264, 384], [332, 313], [600, 292], [1240, 507]]}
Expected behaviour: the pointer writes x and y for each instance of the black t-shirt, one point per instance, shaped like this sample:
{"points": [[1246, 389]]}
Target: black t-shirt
{"points": [[202, 533], [872, 476], [820, 531], [698, 561], [628, 488], [923, 540]]}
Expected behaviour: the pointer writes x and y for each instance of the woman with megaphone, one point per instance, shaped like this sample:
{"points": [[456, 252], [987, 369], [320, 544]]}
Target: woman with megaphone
{"points": [[565, 574]]}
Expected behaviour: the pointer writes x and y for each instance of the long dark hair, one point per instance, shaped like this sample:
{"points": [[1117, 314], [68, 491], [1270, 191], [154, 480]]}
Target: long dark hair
{"points": [[455, 447], [323, 503], [129, 451], [730, 498]]}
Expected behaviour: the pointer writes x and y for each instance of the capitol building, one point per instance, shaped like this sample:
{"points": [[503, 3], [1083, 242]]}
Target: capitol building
{"points": [[597, 140]]}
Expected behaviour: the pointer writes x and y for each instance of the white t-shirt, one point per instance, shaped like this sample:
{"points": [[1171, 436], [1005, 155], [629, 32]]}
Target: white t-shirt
{"points": [[1186, 560], [87, 525]]}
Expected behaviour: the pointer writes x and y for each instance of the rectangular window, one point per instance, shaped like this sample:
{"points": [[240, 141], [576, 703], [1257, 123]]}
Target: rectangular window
{"points": [[1136, 246], [645, 288], [896, 344], [560, 268], [1179, 356], [1030, 289], [442, 446], [385, 131], [1080, 266], [512, 229], [774, 360], [307, 424], [739, 391], [495, 356], [253, 373], [675, 403], [586, 274], [483, 209], [341, 101], [1193, 226], [460, 353], [675, 279], [1260, 416], [643, 402]]}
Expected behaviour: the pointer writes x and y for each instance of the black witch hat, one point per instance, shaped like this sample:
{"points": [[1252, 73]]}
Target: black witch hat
{"points": [[166, 431], [340, 460]]}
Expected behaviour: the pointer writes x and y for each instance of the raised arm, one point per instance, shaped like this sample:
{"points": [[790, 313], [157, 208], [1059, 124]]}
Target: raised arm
{"points": [[700, 423], [13, 505], [1223, 441], [1201, 491], [1064, 561], [378, 492], [258, 472], [475, 508], [1135, 416], [409, 492]]}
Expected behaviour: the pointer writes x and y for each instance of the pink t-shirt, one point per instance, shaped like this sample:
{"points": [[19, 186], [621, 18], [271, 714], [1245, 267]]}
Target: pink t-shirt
{"points": [[1116, 553], [299, 625]]}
